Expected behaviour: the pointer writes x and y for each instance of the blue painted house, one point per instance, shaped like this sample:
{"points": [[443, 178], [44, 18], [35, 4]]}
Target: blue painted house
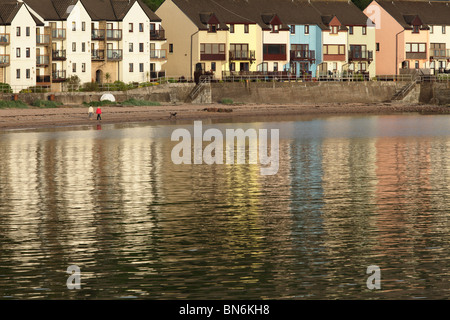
{"points": [[305, 41], [305, 49]]}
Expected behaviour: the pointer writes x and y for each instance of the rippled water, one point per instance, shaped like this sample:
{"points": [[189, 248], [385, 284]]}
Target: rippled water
{"points": [[350, 192]]}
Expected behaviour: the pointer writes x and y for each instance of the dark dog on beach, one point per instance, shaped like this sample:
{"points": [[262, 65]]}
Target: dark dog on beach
{"points": [[173, 114]]}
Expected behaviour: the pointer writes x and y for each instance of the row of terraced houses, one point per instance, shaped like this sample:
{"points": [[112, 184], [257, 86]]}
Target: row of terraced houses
{"points": [[45, 42], [307, 37]]}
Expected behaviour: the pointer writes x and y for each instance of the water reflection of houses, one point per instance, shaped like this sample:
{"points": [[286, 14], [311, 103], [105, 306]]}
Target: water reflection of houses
{"points": [[19, 190], [348, 182], [63, 196], [277, 220], [306, 206], [403, 198]]}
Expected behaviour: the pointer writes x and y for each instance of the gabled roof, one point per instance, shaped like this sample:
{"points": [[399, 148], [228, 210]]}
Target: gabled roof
{"points": [[109, 10], [346, 12], [9, 10], [209, 18], [51, 10], [152, 16], [407, 12], [115, 10], [271, 19], [226, 11]]}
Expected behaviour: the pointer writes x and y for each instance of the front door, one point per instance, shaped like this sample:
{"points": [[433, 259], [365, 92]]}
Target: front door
{"points": [[98, 76]]}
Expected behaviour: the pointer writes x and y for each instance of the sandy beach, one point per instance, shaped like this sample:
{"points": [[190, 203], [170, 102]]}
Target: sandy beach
{"points": [[76, 115]]}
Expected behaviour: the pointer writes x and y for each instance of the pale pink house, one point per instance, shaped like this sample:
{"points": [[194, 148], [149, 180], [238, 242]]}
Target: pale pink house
{"points": [[402, 36]]}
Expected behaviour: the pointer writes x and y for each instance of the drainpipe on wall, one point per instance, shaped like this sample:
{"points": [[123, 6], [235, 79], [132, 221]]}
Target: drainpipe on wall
{"points": [[192, 36], [396, 52]]}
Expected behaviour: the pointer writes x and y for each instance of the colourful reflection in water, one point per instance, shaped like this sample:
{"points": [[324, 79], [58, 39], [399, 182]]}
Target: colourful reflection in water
{"points": [[350, 192]]}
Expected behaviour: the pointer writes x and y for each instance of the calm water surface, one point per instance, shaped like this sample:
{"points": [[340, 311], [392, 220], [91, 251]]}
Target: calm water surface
{"points": [[350, 192]]}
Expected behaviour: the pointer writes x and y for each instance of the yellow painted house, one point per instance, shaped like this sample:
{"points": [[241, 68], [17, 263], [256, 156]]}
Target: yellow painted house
{"points": [[205, 34]]}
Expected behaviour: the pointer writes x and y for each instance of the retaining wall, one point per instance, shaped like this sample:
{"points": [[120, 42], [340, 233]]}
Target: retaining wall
{"points": [[264, 93], [440, 93], [306, 92], [171, 92]]}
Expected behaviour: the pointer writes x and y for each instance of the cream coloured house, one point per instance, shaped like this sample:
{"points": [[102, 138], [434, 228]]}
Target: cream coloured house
{"points": [[126, 41], [17, 46], [62, 43]]}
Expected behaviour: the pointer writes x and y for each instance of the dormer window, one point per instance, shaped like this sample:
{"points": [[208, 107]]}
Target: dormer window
{"points": [[416, 29], [275, 28], [212, 28], [334, 29]]}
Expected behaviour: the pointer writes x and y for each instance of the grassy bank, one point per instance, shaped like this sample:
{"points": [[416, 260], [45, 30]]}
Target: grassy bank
{"points": [[18, 104], [129, 102], [13, 105]]}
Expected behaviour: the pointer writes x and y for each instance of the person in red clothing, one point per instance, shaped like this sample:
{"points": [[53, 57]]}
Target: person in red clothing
{"points": [[99, 113]]}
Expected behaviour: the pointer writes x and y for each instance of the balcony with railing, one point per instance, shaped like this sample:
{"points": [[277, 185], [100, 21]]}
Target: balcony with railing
{"points": [[59, 55], [4, 39], [159, 54], [58, 34], [158, 34], [242, 55], [43, 39], [59, 76], [440, 54], [4, 60], [213, 56], [42, 60], [114, 54], [303, 55], [360, 55], [98, 34], [114, 34], [97, 55]]}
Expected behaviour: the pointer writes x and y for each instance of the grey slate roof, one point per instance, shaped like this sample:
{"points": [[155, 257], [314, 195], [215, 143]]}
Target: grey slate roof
{"points": [[260, 11], [430, 12]]}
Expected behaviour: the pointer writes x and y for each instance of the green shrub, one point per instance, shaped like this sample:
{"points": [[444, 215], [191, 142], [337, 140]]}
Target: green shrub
{"points": [[73, 83], [5, 88], [34, 89], [90, 86], [117, 86], [146, 84], [226, 101], [134, 102], [46, 104], [132, 85], [13, 104]]}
